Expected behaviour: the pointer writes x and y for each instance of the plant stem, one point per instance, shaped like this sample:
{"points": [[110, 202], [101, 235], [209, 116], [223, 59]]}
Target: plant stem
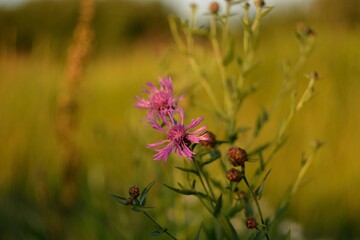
{"points": [[257, 206], [158, 224]]}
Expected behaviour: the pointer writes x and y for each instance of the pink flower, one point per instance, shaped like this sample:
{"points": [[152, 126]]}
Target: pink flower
{"points": [[161, 102], [178, 138]]}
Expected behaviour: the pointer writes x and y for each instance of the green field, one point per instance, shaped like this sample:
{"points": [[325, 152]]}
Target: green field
{"points": [[111, 137]]}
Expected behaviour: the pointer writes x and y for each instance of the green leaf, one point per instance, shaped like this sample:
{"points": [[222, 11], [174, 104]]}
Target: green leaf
{"points": [[258, 191], [260, 148], [214, 155], [138, 208], [142, 200], [188, 170], [119, 199], [218, 206], [288, 235], [187, 191], [197, 237], [261, 120], [267, 11], [216, 183], [156, 233]]}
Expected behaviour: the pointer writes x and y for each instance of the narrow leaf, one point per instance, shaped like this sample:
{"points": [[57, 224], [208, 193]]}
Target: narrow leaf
{"points": [[142, 200], [155, 233], [288, 235], [188, 170], [267, 11], [258, 191], [197, 237], [119, 199], [186, 191], [260, 148], [261, 120], [214, 155], [138, 208], [218, 206]]}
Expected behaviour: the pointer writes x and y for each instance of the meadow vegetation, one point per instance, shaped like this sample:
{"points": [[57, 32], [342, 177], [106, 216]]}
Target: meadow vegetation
{"points": [[132, 45]]}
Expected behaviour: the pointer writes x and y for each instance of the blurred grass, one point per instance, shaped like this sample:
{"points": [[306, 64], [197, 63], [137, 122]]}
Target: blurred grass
{"points": [[112, 137]]}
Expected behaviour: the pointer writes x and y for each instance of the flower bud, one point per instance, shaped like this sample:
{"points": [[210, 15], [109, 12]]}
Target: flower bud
{"points": [[134, 192], [211, 140], [260, 3], [234, 175], [214, 7], [251, 223], [237, 156]]}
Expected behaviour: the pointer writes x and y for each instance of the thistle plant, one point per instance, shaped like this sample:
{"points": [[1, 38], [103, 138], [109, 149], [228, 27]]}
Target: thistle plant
{"points": [[234, 194]]}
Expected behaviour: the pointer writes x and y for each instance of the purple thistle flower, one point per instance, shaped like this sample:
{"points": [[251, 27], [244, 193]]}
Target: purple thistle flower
{"points": [[161, 102], [178, 138]]}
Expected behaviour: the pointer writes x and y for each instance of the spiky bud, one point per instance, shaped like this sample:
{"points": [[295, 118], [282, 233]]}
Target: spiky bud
{"points": [[237, 156], [234, 175], [134, 192], [251, 223]]}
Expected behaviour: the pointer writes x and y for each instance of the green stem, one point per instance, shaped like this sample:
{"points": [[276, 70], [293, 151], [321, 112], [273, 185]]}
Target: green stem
{"points": [[158, 224], [218, 57], [207, 186], [257, 206]]}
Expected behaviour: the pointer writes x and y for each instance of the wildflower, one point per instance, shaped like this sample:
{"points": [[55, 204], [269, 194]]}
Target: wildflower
{"points": [[134, 191], [251, 223], [237, 156], [161, 102], [178, 138], [234, 175]]}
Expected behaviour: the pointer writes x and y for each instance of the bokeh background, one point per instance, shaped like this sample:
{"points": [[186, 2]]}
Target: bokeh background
{"points": [[132, 45]]}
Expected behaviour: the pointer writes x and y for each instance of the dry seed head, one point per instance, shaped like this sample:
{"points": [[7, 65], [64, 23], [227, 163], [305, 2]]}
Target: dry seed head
{"points": [[134, 191], [214, 7], [251, 223], [234, 175], [237, 156]]}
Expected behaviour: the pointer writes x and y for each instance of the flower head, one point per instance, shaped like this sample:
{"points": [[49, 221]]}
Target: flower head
{"points": [[161, 102], [237, 156], [179, 138]]}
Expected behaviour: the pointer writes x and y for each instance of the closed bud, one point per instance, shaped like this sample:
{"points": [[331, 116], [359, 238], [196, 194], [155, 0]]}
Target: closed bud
{"points": [[214, 7], [251, 223], [211, 140], [237, 156], [234, 175], [260, 3], [134, 192]]}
